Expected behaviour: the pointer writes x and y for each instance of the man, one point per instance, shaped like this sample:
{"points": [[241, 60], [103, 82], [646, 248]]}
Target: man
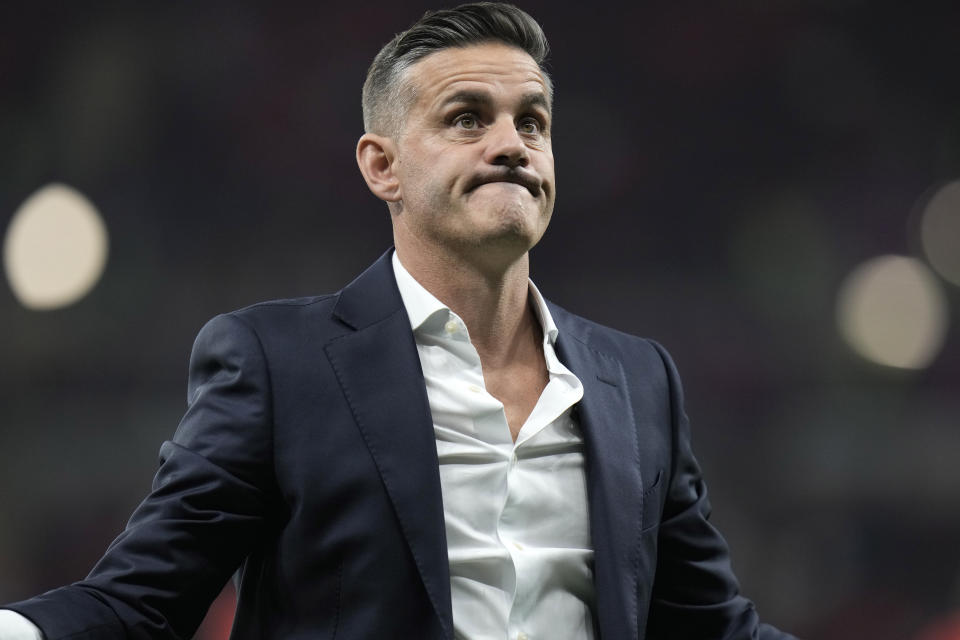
{"points": [[555, 495]]}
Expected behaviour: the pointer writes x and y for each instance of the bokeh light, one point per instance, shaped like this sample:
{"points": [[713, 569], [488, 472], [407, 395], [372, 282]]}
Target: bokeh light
{"points": [[55, 248], [940, 231], [892, 311]]}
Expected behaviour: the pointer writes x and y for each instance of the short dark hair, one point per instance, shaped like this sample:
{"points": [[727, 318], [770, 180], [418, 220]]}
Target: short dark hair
{"points": [[386, 99]]}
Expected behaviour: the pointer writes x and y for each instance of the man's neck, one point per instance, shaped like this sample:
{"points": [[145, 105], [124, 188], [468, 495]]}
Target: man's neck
{"points": [[492, 301]]}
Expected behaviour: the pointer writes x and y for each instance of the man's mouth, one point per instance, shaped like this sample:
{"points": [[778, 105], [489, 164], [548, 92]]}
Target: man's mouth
{"points": [[512, 176]]}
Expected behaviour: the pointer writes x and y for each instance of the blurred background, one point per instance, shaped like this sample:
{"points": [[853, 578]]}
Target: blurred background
{"points": [[770, 189]]}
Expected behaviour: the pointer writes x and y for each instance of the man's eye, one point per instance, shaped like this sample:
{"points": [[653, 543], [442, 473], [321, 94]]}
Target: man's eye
{"points": [[466, 121], [529, 126]]}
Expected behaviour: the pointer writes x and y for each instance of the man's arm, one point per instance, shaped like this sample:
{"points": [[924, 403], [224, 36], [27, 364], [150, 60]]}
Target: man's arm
{"points": [[695, 593], [202, 517]]}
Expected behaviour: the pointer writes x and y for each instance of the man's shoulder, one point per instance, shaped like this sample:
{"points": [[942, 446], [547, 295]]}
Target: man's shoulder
{"points": [[271, 319], [284, 309], [602, 338], [285, 306], [369, 298]]}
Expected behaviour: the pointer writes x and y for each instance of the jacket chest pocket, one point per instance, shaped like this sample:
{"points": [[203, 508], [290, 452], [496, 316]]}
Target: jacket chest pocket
{"points": [[650, 499]]}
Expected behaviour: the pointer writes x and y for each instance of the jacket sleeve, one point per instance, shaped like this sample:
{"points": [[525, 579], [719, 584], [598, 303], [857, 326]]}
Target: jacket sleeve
{"points": [[205, 511], [695, 593]]}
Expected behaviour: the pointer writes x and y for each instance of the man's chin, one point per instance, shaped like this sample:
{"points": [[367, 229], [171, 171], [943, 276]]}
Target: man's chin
{"points": [[512, 236], [509, 223], [505, 225]]}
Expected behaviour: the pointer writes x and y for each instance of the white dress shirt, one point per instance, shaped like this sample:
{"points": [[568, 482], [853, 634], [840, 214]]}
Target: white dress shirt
{"points": [[14, 626], [517, 523]]}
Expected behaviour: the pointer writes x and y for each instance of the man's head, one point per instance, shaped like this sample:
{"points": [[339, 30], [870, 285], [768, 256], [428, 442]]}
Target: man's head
{"points": [[465, 160], [387, 92]]}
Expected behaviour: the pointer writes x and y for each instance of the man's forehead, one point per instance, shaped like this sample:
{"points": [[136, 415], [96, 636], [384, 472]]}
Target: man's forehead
{"points": [[457, 70]]}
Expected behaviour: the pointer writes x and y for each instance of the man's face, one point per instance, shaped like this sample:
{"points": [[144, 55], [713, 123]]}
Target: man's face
{"points": [[474, 159]]}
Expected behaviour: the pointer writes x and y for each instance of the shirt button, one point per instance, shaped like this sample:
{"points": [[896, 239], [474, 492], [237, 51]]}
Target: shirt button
{"points": [[474, 388], [450, 327], [522, 636], [519, 547]]}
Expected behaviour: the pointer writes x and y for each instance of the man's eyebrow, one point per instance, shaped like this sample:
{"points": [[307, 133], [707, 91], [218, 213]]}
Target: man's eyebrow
{"points": [[537, 99], [469, 97], [483, 99]]}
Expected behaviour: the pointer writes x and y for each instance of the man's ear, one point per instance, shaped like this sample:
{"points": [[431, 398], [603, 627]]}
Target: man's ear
{"points": [[375, 157]]}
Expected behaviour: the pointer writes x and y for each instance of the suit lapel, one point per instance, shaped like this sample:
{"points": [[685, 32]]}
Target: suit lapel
{"points": [[379, 371], [613, 477]]}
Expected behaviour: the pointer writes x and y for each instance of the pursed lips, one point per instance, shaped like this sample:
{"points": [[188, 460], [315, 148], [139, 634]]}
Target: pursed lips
{"points": [[529, 182]]}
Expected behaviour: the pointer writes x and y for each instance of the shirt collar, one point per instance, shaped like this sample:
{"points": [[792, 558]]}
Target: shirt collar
{"points": [[421, 305]]}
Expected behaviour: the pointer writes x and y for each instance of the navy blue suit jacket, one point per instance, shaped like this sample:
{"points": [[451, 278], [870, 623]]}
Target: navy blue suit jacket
{"points": [[306, 462]]}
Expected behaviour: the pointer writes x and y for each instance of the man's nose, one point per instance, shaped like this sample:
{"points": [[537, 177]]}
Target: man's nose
{"points": [[505, 146]]}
